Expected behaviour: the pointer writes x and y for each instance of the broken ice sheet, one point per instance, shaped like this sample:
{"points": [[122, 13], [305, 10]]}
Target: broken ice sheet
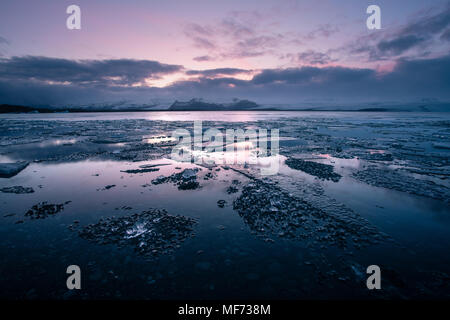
{"points": [[271, 211], [150, 233], [393, 179], [186, 180], [320, 170]]}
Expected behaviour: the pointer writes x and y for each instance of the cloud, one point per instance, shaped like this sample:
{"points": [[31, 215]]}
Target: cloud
{"points": [[399, 45], [203, 43], [203, 58], [312, 57], [313, 76], [255, 46], [237, 29], [414, 39], [201, 36], [197, 29], [4, 40], [120, 72], [238, 35], [420, 75], [431, 22], [338, 84], [410, 79], [445, 35], [323, 30], [243, 34], [217, 72]]}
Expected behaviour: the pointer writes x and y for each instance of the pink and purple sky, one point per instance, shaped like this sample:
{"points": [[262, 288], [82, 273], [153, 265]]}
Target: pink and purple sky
{"points": [[291, 52]]}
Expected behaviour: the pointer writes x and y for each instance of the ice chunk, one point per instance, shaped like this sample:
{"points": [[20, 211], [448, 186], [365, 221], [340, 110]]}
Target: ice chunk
{"points": [[136, 231], [189, 174], [17, 190], [8, 170]]}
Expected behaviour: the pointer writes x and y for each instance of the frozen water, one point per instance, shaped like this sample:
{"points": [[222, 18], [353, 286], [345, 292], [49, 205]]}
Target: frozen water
{"points": [[353, 189], [137, 230]]}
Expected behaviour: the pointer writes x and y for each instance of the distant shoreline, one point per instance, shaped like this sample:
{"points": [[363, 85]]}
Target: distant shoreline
{"points": [[14, 109]]}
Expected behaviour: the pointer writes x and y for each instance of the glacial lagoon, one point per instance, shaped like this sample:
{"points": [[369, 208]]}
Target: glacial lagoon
{"points": [[101, 191]]}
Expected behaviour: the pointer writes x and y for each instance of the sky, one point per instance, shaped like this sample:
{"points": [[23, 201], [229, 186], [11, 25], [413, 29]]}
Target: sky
{"points": [[271, 52]]}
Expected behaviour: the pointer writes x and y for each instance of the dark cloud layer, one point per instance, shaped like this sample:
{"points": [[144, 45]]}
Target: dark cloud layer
{"points": [[313, 76], [122, 72], [27, 83]]}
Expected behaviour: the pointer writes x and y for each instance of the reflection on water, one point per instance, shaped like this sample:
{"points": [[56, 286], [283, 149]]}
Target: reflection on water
{"points": [[222, 244], [57, 142], [233, 116], [159, 139], [227, 256]]}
